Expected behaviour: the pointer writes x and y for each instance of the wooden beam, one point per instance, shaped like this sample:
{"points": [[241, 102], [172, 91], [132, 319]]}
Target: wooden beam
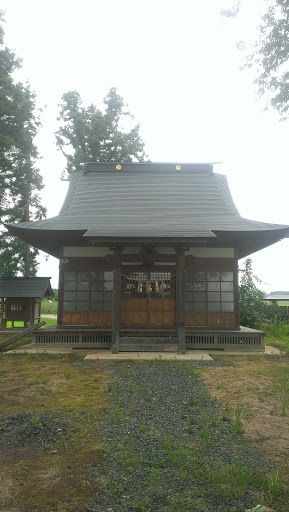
{"points": [[210, 264], [126, 258], [149, 258]]}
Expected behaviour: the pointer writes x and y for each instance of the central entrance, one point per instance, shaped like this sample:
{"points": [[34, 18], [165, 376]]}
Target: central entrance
{"points": [[148, 298]]}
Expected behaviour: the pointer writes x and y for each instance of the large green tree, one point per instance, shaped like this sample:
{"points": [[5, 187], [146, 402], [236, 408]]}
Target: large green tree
{"points": [[20, 180], [252, 308], [269, 55], [89, 134]]}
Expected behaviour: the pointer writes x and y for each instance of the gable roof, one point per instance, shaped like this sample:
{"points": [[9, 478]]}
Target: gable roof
{"points": [[277, 296], [153, 201], [25, 287]]}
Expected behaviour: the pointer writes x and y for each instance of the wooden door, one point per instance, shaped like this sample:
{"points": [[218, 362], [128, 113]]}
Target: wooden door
{"points": [[148, 299]]}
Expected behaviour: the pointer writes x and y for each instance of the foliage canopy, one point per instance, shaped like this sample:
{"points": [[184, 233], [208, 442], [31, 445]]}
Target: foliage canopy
{"points": [[270, 54], [20, 180], [88, 134], [252, 307], [254, 311]]}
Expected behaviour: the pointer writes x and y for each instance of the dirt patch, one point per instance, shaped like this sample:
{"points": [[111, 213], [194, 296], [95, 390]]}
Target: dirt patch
{"points": [[49, 410], [31, 431], [259, 386]]}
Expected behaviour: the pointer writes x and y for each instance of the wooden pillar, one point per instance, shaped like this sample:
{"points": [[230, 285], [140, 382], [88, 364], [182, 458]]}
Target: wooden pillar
{"points": [[116, 300], [60, 295], [180, 296], [30, 313], [2, 314]]}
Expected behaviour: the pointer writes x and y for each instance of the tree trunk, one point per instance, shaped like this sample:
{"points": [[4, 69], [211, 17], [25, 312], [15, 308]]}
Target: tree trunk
{"points": [[26, 219]]}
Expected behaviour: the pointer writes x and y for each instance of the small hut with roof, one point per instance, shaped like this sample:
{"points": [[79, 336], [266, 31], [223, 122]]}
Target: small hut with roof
{"points": [[21, 300]]}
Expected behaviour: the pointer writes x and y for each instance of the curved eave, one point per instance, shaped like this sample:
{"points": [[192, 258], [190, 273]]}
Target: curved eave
{"points": [[246, 242], [49, 241], [249, 242]]}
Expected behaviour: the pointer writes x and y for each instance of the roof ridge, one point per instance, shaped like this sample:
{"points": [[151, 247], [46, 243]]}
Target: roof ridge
{"points": [[155, 167]]}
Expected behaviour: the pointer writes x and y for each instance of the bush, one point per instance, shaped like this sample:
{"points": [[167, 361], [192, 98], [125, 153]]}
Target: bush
{"points": [[49, 307], [252, 307], [277, 335], [275, 314]]}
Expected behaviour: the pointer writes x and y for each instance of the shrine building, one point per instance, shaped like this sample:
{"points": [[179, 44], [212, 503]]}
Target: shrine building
{"points": [[148, 259]]}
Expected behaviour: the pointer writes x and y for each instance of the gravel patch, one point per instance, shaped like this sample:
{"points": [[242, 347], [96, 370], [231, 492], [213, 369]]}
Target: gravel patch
{"points": [[170, 447]]}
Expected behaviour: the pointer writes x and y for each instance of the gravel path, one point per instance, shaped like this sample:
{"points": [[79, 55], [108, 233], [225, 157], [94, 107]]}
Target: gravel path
{"points": [[172, 448]]}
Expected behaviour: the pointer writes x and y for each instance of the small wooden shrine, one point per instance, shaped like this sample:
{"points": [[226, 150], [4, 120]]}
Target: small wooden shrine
{"points": [[21, 300], [149, 258]]}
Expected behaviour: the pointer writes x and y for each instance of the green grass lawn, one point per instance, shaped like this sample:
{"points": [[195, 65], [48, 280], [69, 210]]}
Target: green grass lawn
{"points": [[277, 335], [48, 321]]}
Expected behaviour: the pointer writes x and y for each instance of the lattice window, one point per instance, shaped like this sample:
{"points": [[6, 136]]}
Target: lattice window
{"points": [[148, 284], [17, 306], [209, 291], [88, 291]]}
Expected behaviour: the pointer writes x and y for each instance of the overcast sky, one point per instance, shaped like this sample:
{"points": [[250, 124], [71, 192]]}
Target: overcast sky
{"points": [[177, 66]]}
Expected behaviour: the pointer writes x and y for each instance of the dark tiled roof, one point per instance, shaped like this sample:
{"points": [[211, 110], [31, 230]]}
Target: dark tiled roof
{"points": [[149, 200], [25, 287]]}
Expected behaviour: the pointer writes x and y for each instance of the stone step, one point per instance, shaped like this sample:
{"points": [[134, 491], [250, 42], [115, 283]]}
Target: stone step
{"points": [[147, 339], [138, 344], [148, 348]]}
